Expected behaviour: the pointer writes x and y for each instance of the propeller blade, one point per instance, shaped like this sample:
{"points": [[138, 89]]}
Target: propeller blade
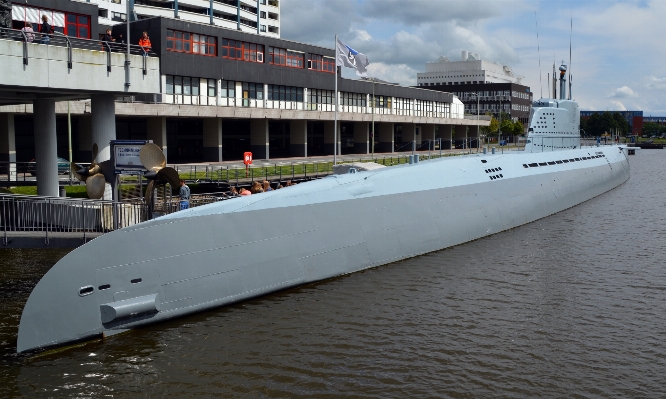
{"points": [[169, 175], [106, 169], [149, 192], [150, 175], [95, 150], [152, 157], [95, 186], [76, 171]]}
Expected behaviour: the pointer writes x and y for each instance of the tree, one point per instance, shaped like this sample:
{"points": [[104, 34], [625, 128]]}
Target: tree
{"points": [[518, 128], [507, 127], [491, 130]]}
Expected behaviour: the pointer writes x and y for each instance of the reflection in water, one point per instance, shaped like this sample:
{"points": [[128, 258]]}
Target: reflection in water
{"points": [[572, 304]]}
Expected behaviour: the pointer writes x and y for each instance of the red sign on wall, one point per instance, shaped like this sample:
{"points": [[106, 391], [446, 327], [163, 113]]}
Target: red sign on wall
{"points": [[247, 158]]}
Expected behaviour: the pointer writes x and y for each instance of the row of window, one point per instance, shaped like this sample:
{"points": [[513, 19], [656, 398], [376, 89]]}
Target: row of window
{"points": [[189, 86], [536, 165], [193, 43]]}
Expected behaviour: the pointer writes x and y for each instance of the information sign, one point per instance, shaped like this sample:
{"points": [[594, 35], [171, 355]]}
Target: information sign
{"points": [[126, 155]]}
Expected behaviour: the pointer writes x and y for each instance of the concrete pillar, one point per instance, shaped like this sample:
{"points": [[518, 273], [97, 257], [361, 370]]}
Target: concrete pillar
{"points": [[298, 138], [361, 137], [460, 136], [85, 139], [385, 137], [212, 139], [157, 131], [428, 136], [8, 146], [46, 148], [328, 137], [103, 121], [259, 138]]}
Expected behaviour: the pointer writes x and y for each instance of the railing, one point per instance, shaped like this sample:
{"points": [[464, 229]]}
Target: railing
{"points": [[58, 39]]}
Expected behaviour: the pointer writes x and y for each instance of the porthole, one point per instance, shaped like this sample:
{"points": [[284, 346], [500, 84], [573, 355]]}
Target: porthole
{"points": [[135, 281], [87, 290], [483, 161], [501, 175], [104, 287], [499, 168]]}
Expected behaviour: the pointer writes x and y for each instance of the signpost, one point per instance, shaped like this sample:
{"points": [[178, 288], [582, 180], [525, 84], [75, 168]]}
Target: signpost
{"points": [[125, 159], [247, 160]]}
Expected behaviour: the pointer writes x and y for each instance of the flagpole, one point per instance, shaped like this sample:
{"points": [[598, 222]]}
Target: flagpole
{"points": [[335, 120]]}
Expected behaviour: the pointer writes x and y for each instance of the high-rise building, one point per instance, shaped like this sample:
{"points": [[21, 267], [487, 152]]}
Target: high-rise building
{"points": [[252, 16], [471, 69]]}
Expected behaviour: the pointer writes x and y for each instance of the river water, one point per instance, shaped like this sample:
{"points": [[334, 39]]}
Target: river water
{"points": [[573, 305]]}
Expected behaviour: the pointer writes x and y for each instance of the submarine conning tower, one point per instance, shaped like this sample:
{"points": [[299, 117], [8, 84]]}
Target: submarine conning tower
{"points": [[563, 82]]}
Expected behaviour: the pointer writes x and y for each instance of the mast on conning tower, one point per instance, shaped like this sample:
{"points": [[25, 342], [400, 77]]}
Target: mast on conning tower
{"points": [[563, 82]]}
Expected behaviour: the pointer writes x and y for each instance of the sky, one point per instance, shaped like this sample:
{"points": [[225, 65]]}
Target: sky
{"points": [[618, 48]]}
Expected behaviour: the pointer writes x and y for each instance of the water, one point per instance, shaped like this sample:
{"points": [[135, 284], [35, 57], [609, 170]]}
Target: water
{"points": [[573, 305]]}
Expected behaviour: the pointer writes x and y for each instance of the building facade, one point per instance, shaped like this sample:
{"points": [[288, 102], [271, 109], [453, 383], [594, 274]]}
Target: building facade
{"points": [[634, 118], [224, 91], [471, 69]]}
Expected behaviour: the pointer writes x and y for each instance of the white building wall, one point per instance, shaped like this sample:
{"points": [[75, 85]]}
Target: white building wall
{"points": [[474, 70]]}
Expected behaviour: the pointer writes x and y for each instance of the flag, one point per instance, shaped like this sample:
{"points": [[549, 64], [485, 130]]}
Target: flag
{"points": [[351, 58]]}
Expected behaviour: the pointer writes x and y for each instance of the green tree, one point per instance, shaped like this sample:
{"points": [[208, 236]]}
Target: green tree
{"points": [[491, 130], [507, 127], [518, 128]]}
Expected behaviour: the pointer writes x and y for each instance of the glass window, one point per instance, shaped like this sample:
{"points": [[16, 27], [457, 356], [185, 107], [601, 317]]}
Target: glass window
{"points": [[169, 84], [178, 85], [211, 87], [186, 86], [195, 86]]}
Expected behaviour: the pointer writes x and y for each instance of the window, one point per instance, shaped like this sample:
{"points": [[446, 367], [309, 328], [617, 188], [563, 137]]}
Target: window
{"points": [[284, 57], [262, 14], [263, 28], [254, 91], [228, 89], [191, 43], [353, 99], [212, 88], [316, 96], [78, 26], [184, 85], [285, 93], [320, 63], [237, 50]]}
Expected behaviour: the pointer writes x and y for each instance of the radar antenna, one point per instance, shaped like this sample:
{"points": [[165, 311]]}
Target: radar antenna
{"points": [[536, 24]]}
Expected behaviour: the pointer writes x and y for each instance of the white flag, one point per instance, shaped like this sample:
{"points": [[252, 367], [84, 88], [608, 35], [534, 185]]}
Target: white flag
{"points": [[351, 58]]}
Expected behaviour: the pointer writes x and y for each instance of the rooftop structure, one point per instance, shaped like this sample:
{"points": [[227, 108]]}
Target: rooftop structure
{"points": [[471, 69]]}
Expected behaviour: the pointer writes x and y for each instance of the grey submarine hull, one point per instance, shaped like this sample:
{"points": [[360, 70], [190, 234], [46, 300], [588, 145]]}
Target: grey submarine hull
{"points": [[229, 251]]}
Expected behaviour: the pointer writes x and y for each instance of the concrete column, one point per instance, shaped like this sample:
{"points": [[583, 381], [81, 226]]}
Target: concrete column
{"points": [[361, 137], [446, 134], [103, 121], [385, 137], [85, 139], [8, 146], [328, 137], [473, 136], [460, 136], [157, 131], [212, 139], [428, 135], [259, 138], [46, 147], [298, 138]]}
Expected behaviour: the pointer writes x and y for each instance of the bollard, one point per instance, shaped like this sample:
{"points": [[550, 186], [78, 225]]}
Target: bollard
{"points": [[416, 158], [485, 150], [411, 159], [63, 192], [493, 150]]}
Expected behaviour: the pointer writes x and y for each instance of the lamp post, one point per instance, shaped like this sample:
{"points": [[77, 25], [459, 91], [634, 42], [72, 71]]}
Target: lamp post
{"points": [[373, 120]]}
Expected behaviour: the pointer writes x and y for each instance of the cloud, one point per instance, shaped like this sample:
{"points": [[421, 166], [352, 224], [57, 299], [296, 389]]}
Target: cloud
{"points": [[419, 12], [616, 106], [656, 83], [623, 92]]}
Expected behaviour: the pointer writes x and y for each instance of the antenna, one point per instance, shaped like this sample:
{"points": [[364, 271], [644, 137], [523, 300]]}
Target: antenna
{"points": [[570, 35], [538, 51]]}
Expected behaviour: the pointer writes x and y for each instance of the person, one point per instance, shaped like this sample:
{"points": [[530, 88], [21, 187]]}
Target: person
{"points": [[30, 36], [266, 186], [45, 30], [245, 192], [256, 188], [107, 38], [144, 42], [184, 195], [233, 192]]}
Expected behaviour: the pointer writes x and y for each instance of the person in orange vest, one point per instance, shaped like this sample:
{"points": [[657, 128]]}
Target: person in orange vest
{"points": [[144, 42]]}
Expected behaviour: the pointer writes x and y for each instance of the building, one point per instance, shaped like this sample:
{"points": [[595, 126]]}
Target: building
{"points": [[253, 16], [485, 87], [634, 118], [224, 91]]}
